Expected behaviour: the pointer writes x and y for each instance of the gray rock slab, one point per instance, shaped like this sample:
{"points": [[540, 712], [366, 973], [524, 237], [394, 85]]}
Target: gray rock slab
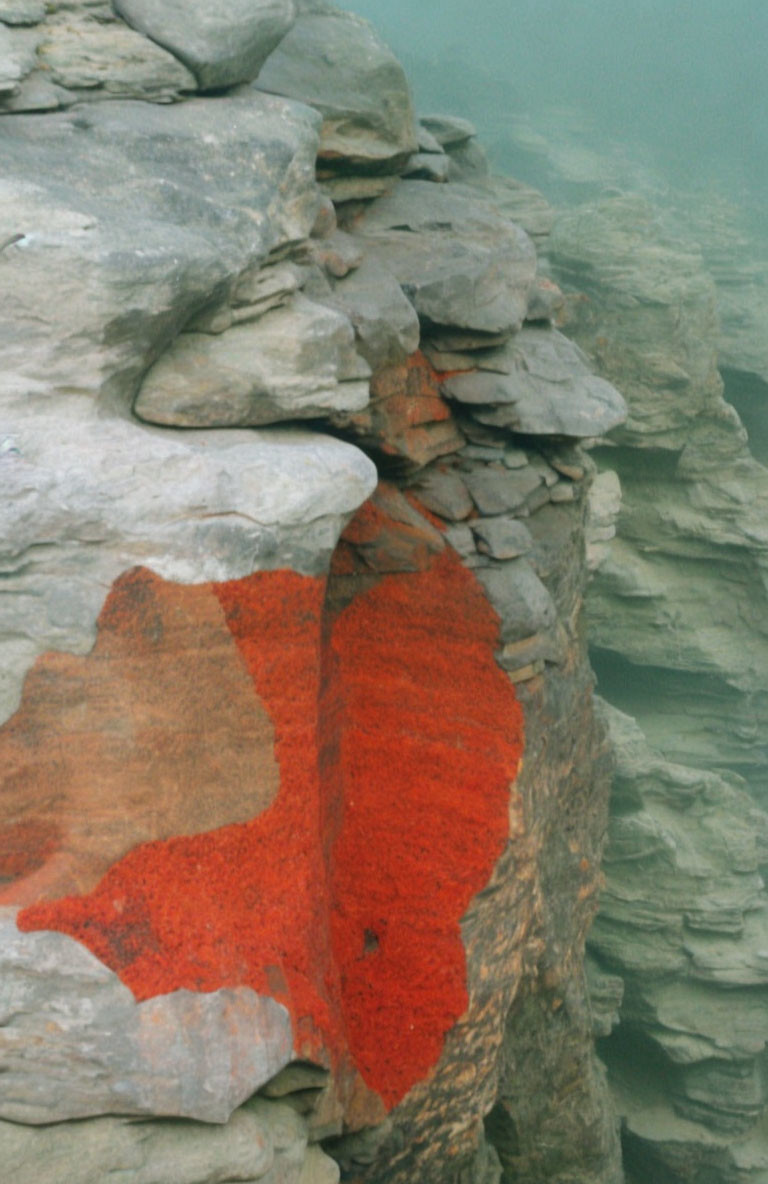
{"points": [[74, 1043], [87, 497], [264, 1141], [547, 389], [135, 217], [338, 64], [385, 322], [448, 129], [524, 605], [295, 362], [502, 537], [442, 490], [223, 42], [88, 55], [22, 12], [459, 262]]}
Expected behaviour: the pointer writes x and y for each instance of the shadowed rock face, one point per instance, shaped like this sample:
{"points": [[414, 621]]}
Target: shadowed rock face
{"points": [[263, 726]]}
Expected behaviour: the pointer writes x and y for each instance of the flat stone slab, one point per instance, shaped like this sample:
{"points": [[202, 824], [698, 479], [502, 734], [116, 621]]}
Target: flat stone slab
{"points": [[74, 1043], [223, 42], [295, 362], [459, 262], [337, 63], [539, 384]]}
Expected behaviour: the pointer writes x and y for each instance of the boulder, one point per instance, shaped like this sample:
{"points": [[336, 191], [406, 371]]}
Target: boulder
{"points": [[385, 322], [223, 44], [459, 262], [22, 12], [295, 362], [338, 64]]}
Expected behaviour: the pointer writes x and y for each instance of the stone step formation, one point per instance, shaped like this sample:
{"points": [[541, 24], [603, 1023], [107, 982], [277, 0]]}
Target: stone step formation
{"points": [[304, 788]]}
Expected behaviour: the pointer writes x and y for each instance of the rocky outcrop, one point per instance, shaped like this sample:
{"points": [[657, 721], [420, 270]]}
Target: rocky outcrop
{"points": [[303, 789], [678, 621]]}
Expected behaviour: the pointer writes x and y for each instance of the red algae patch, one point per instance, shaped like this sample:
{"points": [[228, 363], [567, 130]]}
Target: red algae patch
{"points": [[429, 743], [397, 737]]}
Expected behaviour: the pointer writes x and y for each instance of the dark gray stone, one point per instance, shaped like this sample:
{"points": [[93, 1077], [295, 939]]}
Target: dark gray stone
{"points": [[457, 260], [223, 42], [496, 489], [443, 491], [519, 597], [338, 64], [384, 320]]}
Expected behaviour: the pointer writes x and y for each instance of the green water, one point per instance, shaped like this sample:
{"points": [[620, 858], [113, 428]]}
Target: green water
{"points": [[681, 83]]}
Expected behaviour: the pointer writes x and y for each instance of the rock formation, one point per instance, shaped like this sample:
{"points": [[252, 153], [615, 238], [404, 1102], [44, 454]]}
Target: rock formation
{"points": [[304, 793], [667, 301]]}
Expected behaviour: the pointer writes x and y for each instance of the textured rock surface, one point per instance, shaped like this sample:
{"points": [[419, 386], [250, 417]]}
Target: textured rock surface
{"points": [[539, 385], [100, 285], [295, 362], [460, 263], [75, 1044], [221, 43], [337, 63], [89, 497], [264, 1141], [679, 618]]}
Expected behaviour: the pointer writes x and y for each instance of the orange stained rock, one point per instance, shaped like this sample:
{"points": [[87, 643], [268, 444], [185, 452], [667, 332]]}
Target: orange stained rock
{"points": [[156, 732]]}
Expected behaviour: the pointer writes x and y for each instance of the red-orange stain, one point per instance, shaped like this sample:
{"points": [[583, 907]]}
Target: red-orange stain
{"points": [[397, 738]]}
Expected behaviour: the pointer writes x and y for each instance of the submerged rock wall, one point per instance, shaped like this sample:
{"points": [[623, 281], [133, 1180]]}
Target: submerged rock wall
{"points": [[678, 621], [303, 791]]}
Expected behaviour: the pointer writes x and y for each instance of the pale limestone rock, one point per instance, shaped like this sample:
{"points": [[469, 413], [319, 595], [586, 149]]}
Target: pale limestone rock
{"points": [[86, 498], [264, 1141], [223, 42], [295, 362], [153, 213], [82, 54], [603, 509], [74, 1043], [22, 12]]}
